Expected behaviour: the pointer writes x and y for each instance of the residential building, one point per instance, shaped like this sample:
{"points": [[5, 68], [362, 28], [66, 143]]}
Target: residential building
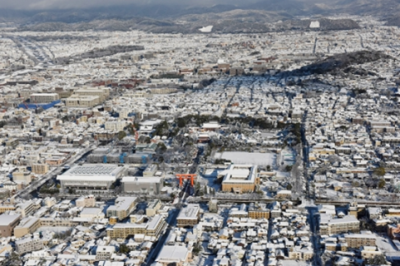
{"points": [[301, 253], [104, 252], [177, 255], [368, 252], [40, 169], [6, 208], [122, 208], [22, 176], [331, 226], [28, 225], [188, 216], [153, 227], [27, 208], [8, 223], [152, 207], [115, 126], [258, 211], [26, 245], [359, 240], [86, 201]]}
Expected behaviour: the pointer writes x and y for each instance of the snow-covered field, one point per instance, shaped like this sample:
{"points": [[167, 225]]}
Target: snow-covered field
{"points": [[248, 158]]}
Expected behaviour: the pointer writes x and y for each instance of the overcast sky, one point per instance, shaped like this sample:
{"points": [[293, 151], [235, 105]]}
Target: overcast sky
{"points": [[63, 4]]}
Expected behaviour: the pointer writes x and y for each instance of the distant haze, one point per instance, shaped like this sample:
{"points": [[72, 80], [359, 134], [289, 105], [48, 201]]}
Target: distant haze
{"points": [[166, 16], [71, 4]]}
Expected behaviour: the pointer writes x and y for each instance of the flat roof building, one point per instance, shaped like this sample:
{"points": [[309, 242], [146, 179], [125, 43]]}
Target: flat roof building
{"points": [[82, 101], [153, 227], [122, 208], [188, 216], [26, 245], [240, 178], [139, 184], [27, 225], [44, 97], [176, 255], [331, 226], [359, 240], [8, 223], [93, 177]]}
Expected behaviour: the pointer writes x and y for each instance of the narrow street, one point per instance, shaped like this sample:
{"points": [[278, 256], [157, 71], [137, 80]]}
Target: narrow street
{"points": [[313, 217]]}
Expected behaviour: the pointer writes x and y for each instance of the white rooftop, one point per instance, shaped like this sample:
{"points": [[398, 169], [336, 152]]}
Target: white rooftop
{"points": [[6, 219], [173, 254], [189, 212]]}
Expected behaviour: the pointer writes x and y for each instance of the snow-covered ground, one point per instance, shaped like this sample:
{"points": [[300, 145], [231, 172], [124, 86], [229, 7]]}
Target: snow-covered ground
{"points": [[206, 29], [58, 229], [385, 244], [262, 159]]}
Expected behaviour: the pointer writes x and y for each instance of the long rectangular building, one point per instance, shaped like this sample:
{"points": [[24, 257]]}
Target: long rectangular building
{"points": [[332, 226], [139, 184], [91, 177], [360, 240], [153, 227]]}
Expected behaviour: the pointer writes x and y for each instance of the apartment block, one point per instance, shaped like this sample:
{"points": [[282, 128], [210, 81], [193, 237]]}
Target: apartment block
{"points": [[153, 227], [153, 207], [86, 201], [259, 211], [188, 216], [8, 223], [359, 240], [40, 169], [122, 208], [27, 225], [331, 226], [28, 245]]}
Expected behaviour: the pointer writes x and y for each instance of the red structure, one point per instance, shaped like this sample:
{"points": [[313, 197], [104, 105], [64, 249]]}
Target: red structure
{"points": [[182, 177]]}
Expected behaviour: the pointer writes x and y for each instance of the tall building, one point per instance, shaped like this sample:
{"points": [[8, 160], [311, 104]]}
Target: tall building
{"points": [[40, 169]]}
